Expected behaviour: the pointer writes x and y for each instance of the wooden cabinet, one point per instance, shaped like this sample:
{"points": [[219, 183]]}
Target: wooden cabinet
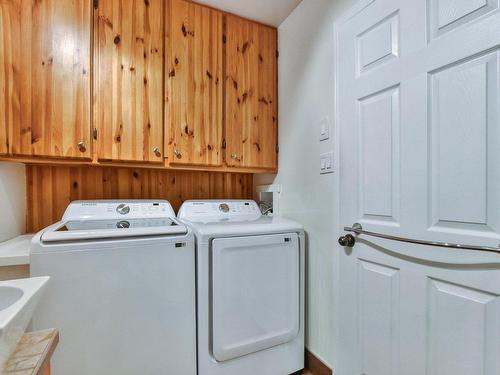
{"points": [[194, 84], [158, 82], [129, 80], [45, 78], [251, 94]]}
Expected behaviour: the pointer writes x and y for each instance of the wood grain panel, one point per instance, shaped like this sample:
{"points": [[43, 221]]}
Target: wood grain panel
{"points": [[251, 94], [45, 77], [129, 80], [194, 84], [51, 188]]}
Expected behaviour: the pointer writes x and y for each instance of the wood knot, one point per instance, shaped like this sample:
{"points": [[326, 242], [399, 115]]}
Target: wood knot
{"points": [[245, 47], [117, 40], [135, 174], [209, 75], [172, 73]]}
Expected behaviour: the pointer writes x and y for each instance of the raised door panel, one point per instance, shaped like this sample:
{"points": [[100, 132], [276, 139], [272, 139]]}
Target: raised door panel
{"points": [[251, 95], [129, 80], [194, 85], [45, 78], [463, 330]]}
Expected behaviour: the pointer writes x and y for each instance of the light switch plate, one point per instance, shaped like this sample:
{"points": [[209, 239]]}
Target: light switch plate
{"points": [[324, 129], [326, 163]]}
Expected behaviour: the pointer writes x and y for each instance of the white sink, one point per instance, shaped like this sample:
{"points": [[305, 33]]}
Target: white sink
{"points": [[18, 299]]}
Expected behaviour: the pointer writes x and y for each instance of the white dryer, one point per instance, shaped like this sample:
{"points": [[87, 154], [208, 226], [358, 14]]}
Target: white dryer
{"points": [[122, 289], [250, 289]]}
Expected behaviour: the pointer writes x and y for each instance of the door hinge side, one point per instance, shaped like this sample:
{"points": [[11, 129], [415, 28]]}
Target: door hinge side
{"points": [[94, 133], [277, 149], [224, 144], [96, 4]]}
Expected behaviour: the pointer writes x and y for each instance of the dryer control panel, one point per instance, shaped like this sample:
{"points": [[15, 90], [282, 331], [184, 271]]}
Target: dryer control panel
{"points": [[114, 209], [219, 209]]}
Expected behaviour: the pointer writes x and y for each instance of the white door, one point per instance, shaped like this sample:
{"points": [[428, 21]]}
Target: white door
{"points": [[418, 110]]}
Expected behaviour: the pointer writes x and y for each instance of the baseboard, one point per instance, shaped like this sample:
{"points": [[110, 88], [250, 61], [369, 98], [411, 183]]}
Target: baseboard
{"points": [[314, 365]]}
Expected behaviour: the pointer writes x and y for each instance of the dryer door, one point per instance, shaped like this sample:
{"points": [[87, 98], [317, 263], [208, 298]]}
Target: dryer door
{"points": [[255, 293]]}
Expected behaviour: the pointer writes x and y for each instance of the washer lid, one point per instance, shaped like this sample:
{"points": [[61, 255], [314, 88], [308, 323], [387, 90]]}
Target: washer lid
{"points": [[78, 230]]}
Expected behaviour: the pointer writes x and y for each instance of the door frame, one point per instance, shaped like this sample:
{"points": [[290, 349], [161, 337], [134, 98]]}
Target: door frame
{"points": [[337, 225]]}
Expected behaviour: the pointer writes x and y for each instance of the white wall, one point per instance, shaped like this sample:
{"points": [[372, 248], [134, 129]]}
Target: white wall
{"points": [[12, 200], [306, 95]]}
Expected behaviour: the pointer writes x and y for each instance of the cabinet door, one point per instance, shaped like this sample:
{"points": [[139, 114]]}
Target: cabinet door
{"points": [[251, 121], [194, 92], [45, 77], [129, 80]]}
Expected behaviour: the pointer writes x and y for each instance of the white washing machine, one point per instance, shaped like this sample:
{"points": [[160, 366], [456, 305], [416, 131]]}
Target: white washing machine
{"points": [[122, 289], [250, 289]]}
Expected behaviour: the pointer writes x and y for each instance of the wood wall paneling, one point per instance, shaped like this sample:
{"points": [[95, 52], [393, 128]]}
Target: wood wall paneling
{"points": [[194, 84], [251, 94], [51, 188], [45, 77], [129, 80]]}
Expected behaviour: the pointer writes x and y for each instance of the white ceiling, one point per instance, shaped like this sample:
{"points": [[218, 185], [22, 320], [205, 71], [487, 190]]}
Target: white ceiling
{"points": [[270, 12]]}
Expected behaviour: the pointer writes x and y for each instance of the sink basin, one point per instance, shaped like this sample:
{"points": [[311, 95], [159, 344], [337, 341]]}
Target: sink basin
{"points": [[18, 299]]}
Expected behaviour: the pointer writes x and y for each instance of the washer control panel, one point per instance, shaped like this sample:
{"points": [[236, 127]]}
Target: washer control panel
{"points": [[121, 210], [219, 210]]}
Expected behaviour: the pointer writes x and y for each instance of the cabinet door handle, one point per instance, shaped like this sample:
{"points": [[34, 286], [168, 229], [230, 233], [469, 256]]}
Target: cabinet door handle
{"points": [[178, 153], [82, 146], [234, 156], [157, 151]]}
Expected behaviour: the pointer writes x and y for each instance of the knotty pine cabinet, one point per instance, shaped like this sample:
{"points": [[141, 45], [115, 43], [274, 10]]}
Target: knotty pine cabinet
{"points": [[251, 94], [174, 84], [45, 78], [194, 84], [129, 80]]}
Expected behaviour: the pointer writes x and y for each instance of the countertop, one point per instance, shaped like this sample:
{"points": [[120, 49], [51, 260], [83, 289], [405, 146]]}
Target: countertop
{"points": [[33, 353], [16, 251]]}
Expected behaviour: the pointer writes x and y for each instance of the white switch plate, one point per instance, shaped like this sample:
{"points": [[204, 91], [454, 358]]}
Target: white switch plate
{"points": [[326, 163], [324, 129]]}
